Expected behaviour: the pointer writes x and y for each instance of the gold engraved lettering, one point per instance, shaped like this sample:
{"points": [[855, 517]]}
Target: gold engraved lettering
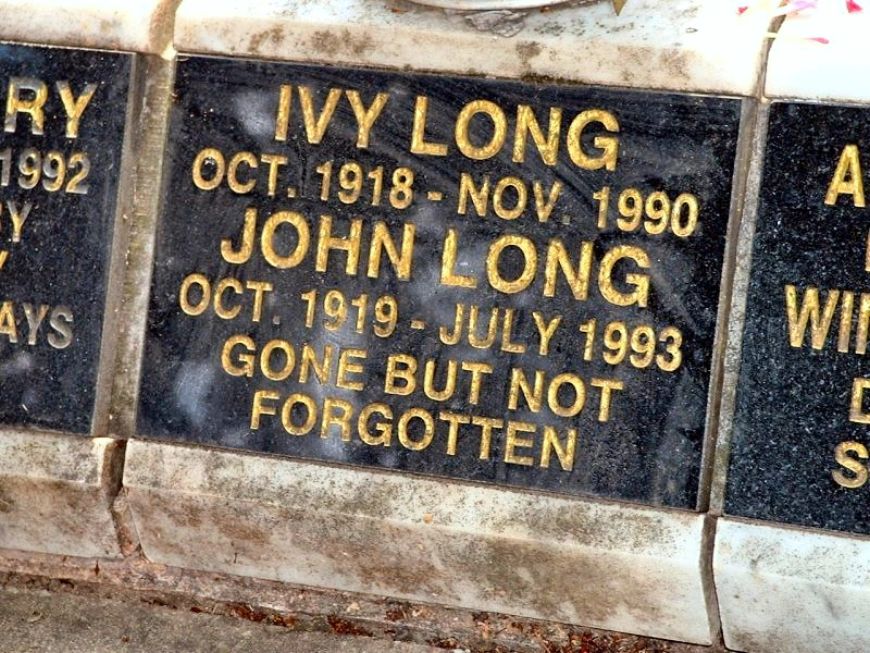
{"points": [[19, 217], [609, 145], [220, 288], [418, 133], [282, 119], [448, 264], [259, 288], [267, 239], [34, 319], [847, 179], [348, 366], [239, 187], [260, 407], [579, 395], [365, 118], [640, 294], [498, 202], [477, 371], [246, 246], [846, 304], [384, 429], [299, 399], [565, 453], [61, 320], [856, 407], [308, 362], [199, 281], [558, 259], [544, 208], [382, 241], [607, 386], [527, 124], [315, 127], [274, 162], [506, 344], [530, 262], [844, 459], [428, 429], [238, 364], [326, 242], [863, 324], [546, 331], [449, 382], [454, 420], [486, 424], [479, 196], [475, 340], [533, 397], [281, 370], [8, 326], [336, 412], [209, 154], [514, 441], [809, 315], [400, 367], [73, 106], [463, 124], [16, 104]]}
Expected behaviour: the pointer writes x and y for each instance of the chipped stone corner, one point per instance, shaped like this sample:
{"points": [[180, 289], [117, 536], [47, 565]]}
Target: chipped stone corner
{"points": [[56, 491]]}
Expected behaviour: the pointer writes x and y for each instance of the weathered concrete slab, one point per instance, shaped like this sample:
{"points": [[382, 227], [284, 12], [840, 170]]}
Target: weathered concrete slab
{"points": [[44, 622], [671, 44], [141, 26], [595, 564], [784, 589], [56, 493]]}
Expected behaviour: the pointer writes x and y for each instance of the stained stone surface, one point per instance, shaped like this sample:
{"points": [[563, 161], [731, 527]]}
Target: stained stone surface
{"points": [[141, 26], [679, 45], [614, 404], [806, 327], [44, 622], [790, 589], [602, 564], [58, 194]]}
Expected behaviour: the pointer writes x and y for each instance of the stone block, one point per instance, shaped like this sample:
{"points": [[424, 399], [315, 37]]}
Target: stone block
{"points": [[784, 589], [673, 44], [56, 493], [596, 564]]}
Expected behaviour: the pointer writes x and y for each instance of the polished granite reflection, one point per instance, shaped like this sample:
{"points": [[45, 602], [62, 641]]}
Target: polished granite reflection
{"points": [[60, 160], [471, 308]]}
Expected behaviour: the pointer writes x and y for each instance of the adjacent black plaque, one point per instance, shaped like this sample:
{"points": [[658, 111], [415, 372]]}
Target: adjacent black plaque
{"points": [[800, 442], [62, 115], [504, 282]]}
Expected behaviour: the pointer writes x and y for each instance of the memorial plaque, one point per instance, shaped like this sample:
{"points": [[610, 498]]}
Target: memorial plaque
{"points": [[800, 442], [498, 281], [60, 153]]}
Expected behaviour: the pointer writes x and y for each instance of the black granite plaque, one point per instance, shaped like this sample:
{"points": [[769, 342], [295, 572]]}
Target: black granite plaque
{"points": [[800, 439], [497, 281], [63, 114]]}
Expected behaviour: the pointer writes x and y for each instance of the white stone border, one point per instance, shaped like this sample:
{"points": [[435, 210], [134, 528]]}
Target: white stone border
{"points": [[680, 45], [132, 25], [595, 564], [56, 493], [787, 589]]}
